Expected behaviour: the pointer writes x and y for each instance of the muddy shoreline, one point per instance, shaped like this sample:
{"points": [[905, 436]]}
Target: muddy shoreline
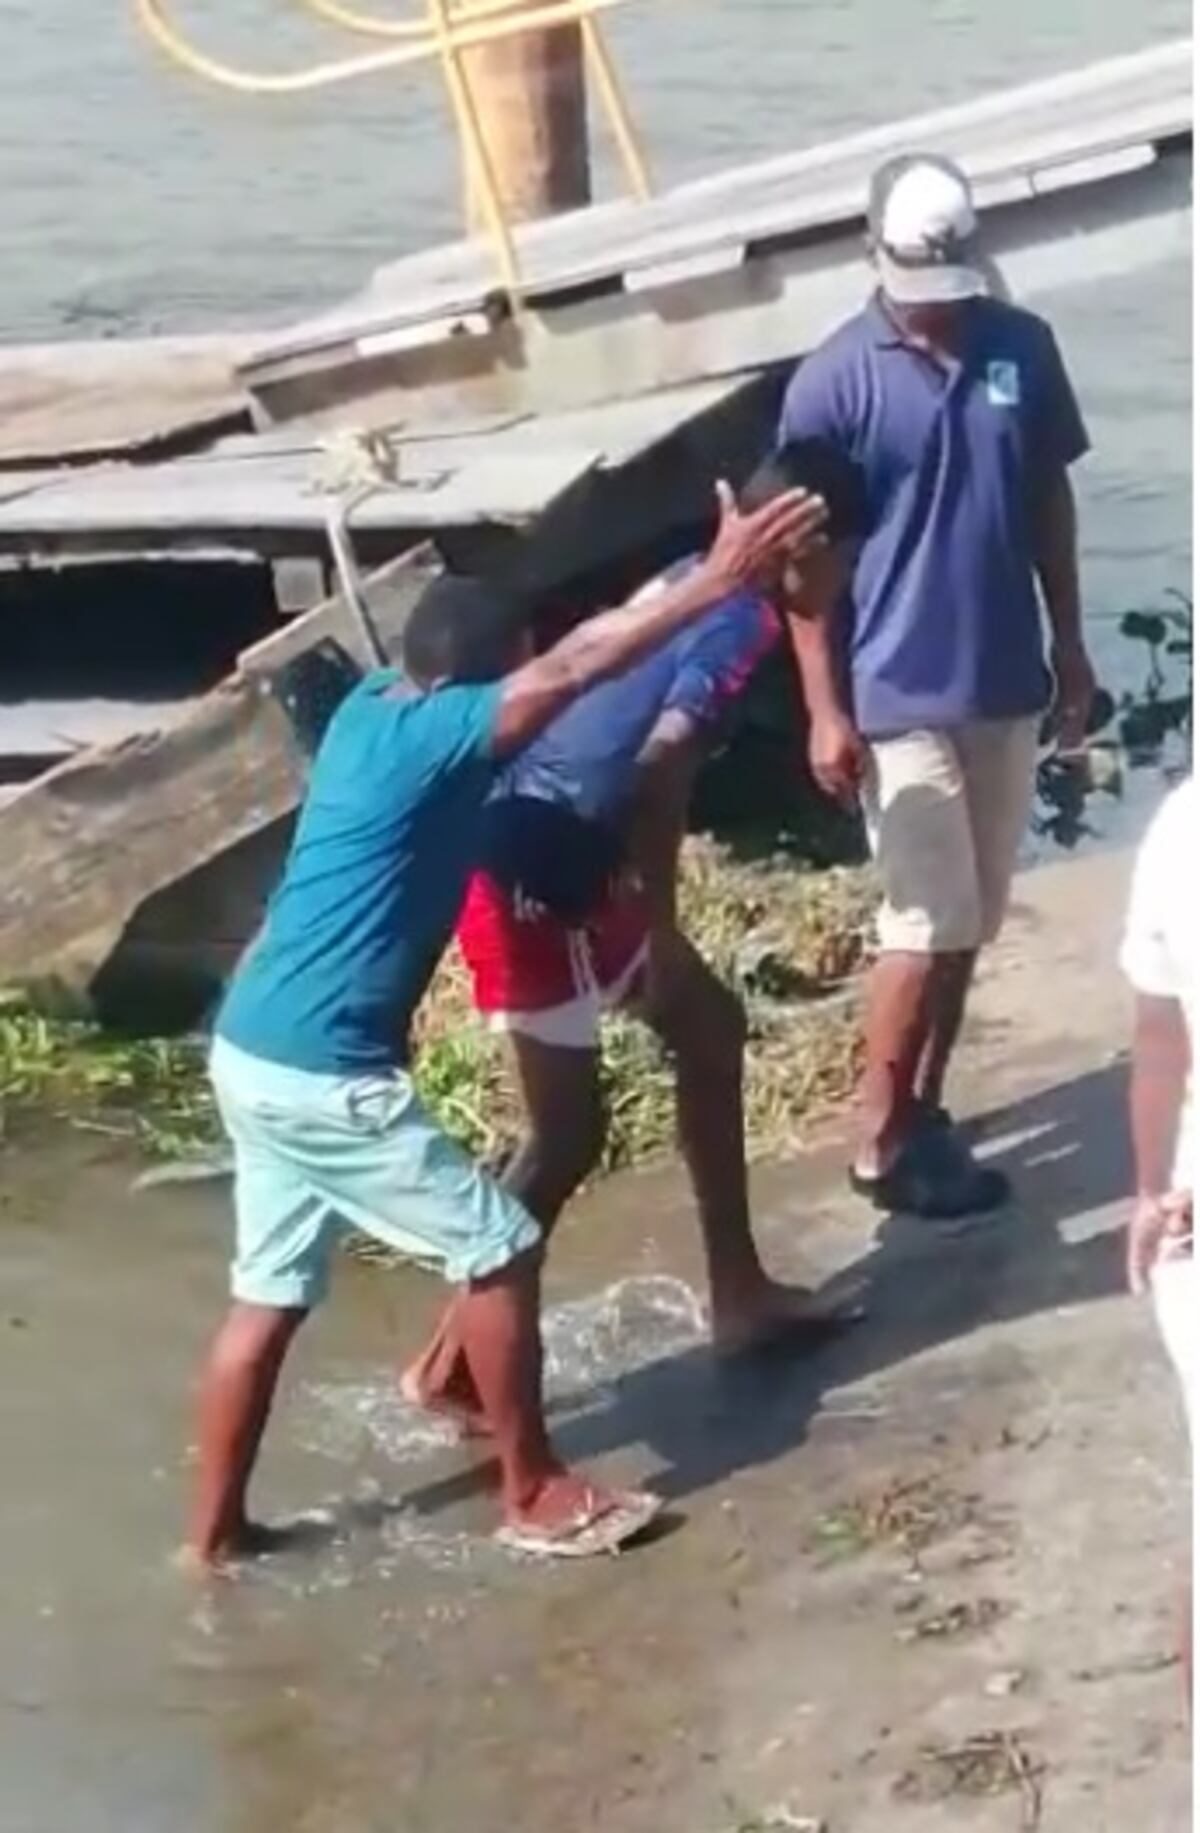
{"points": [[927, 1581]]}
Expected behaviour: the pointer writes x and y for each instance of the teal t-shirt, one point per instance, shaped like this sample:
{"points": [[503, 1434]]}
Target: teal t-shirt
{"points": [[386, 840]]}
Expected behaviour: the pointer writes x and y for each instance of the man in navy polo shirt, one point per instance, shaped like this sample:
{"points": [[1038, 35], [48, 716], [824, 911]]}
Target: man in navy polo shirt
{"points": [[922, 653]]}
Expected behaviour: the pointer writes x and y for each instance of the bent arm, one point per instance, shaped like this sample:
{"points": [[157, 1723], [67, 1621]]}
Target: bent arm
{"points": [[602, 646], [607, 645], [667, 770]]}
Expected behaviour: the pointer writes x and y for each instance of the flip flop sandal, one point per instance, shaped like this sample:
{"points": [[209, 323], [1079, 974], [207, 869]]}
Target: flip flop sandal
{"points": [[598, 1527]]}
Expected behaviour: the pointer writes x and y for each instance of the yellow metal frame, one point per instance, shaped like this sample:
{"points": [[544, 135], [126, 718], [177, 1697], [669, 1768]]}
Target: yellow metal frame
{"points": [[449, 28]]}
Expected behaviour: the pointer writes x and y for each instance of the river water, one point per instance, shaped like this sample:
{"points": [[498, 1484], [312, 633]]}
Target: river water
{"points": [[134, 199]]}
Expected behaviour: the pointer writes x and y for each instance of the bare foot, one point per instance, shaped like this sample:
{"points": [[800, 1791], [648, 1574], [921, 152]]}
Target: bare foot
{"points": [[252, 1540], [454, 1397], [779, 1317]]}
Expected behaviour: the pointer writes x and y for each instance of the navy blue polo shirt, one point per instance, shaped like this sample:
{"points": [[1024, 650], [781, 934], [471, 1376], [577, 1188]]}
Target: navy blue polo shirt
{"points": [[942, 623]]}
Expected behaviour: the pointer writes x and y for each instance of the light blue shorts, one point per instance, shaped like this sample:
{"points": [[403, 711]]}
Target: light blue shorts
{"points": [[313, 1153]]}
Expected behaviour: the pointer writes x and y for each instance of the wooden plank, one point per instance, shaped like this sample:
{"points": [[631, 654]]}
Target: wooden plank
{"points": [[773, 305], [1014, 142], [269, 494], [58, 727], [592, 545], [269, 504], [104, 832], [105, 836], [109, 398]]}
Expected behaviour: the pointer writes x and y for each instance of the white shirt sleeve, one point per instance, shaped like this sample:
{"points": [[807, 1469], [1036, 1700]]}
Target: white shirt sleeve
{"points": [[1159, 881]]}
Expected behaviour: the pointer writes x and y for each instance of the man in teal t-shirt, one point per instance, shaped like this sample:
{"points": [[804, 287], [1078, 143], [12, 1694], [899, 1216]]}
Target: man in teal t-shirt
{"points": [[382, 852], [311, 1047]]}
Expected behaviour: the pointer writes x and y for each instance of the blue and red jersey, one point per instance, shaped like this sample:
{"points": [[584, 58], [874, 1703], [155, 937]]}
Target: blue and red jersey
{"points": [[553, 827], [587, 759]]}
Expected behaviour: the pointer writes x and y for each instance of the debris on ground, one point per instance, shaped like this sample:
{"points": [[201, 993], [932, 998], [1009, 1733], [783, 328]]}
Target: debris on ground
{"points": [[781, 1820], [1156, 1662], [909, 1513], [991, 1763], [209, 1169], [967, 1618]]}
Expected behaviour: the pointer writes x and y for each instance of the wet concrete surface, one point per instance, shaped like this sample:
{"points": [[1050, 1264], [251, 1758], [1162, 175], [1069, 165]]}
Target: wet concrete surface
{"points": [[964, 1522]]}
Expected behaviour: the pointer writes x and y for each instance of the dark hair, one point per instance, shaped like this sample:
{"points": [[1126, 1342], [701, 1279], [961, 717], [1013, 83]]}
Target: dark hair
{"points": [[816, 465], [461, 629]]}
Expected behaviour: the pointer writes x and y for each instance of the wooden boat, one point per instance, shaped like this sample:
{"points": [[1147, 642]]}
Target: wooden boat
{"points": [[574, 441]]}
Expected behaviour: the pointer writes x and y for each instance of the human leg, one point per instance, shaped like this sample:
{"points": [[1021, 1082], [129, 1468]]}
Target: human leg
{"points": [[415, 1189], [1175, 1289], [930, 925], [565, 1127], [565, 1124], [951, 983], [998, 761], [498, 1325], [999, 766], [896, 1030], [919, 825], [702, 1025], [236, 1390], [284, 1235]]}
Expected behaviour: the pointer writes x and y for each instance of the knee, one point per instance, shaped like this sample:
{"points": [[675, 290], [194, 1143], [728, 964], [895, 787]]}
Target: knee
{"points": [[949, 925], [709, 1027], [724, 1020], [586, 1149], [561, 1157], [253, 1335]]}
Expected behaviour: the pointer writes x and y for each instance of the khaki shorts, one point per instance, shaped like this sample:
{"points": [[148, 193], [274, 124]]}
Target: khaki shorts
{"points": [[946, 814]]}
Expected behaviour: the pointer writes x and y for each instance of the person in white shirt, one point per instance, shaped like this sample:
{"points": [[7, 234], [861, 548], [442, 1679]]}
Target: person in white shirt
{"points": [[1161, 958]]}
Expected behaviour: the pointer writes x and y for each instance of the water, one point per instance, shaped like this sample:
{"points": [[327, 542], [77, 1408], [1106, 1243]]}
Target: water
{"points": [[324, 1691], [134, 198]]}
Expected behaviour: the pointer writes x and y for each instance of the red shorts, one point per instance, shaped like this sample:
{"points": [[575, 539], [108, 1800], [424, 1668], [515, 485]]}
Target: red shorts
{"points": [[532, 974]]}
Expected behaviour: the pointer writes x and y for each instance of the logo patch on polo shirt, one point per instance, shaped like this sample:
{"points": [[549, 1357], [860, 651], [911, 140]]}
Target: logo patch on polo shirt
{"points": [[1004, 384]]}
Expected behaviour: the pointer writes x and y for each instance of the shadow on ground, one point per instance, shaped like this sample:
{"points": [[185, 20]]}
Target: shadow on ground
{"points": [[923, 1285]]}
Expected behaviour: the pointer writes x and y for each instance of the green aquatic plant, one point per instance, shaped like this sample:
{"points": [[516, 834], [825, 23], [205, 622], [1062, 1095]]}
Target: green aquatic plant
{"points": [[789, 939]]}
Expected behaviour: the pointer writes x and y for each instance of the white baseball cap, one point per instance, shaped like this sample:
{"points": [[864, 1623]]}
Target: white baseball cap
{"points": [[923, 231]]}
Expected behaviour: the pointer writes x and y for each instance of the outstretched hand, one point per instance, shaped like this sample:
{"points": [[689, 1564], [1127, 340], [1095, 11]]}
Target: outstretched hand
{"points": [[747, 544]]}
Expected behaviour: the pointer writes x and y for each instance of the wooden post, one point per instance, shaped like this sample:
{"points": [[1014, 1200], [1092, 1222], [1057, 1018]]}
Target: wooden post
{"points": [[531, 94]]}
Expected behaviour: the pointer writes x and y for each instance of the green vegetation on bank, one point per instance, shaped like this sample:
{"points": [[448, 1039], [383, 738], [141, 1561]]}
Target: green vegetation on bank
{"points": [[789, 939], [787, 926]]}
